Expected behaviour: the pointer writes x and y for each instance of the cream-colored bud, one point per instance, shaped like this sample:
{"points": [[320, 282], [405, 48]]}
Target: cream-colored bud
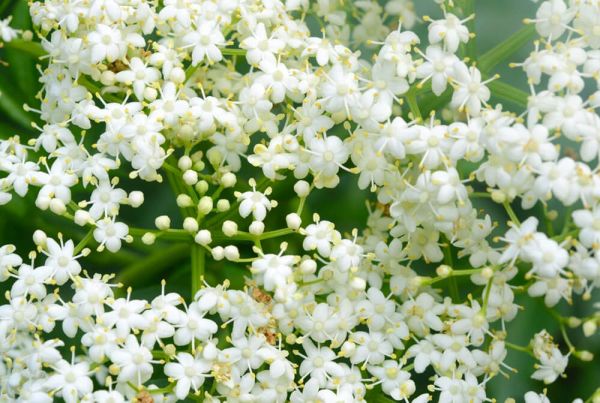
{"points": [[148, 238], [40, 238], [184, 163], [190, 224], [136, 198], [218, 253], [201, 187], [223, 205], [443, 270], [184, 201], [293, 221], [57, 206], [590, 327], [190, 177], [231, 252], [256, 228], [228, 180], [203, 237], [162, 222], [230, 228], [302, 188], [82, 218], [205, 205], [308, 266]]}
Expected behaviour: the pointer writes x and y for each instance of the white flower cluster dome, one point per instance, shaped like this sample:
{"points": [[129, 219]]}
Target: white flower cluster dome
{"points": [[236, 103]]}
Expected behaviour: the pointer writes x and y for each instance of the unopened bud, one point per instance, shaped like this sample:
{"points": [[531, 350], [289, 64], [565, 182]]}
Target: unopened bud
{"points": [[231, 252], [293, 221], [148, 238], [589, 327], [190, 224], [162, 222], [203, 237], [228, 180], [256, 228], [443, 270], [223, 205], [205, 205], [190, 177], [136, 198], [230, 228], [302, 188]]}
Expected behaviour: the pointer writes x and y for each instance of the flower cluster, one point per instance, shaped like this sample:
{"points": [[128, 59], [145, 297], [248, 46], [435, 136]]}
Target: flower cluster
{"points": [[211, 95]]}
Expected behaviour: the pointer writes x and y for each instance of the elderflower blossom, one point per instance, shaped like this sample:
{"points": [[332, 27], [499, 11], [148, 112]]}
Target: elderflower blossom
{"points": [[247, 111]]}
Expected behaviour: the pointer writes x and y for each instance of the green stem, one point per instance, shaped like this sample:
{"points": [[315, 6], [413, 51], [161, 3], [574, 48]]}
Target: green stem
{"points": [[233, 51], [84, 241], [449, 261], [516, 347], [198, 255], [505, 49], [170, 234], [511, 213], [413, 105]]}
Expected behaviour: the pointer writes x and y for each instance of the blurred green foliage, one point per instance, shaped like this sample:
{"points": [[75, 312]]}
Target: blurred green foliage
{"points": [[345, 205]]}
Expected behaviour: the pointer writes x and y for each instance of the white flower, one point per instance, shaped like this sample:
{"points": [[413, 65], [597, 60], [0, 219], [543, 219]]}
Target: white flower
{"points": [[189, 372], [139, 76], [134, 361], [110, 233], [255, 203], [205, 41], [470, 92], [450, 31], [71, 379]]}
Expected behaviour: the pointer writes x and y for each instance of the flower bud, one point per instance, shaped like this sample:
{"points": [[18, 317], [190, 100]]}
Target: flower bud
{"points": [[107, 78], [203, 237], [201, 187], [293, 221], [184, 200], [190, 224], [228, 180], [205, 205], [190, 177], [231, 252], [443, 270], [82, 218], [230, 228], [256, 228], [40, 238], [589, 327], [150, 93], [136, 198], [148, 238], [308, 266], [162, 222], [223, 205], [218, 253], [348, 348], [184, 163], [42, 202], [57, 206], [302, 188], [358, 283], [177, 75]]}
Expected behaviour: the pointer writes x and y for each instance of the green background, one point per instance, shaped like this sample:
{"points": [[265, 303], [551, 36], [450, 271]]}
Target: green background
{"points": [[496, 20]]}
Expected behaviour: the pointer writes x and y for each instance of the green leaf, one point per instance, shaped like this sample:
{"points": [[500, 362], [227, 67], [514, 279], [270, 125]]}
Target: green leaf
{"points": [[12, 107], [503, 50], [22, 66]]}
